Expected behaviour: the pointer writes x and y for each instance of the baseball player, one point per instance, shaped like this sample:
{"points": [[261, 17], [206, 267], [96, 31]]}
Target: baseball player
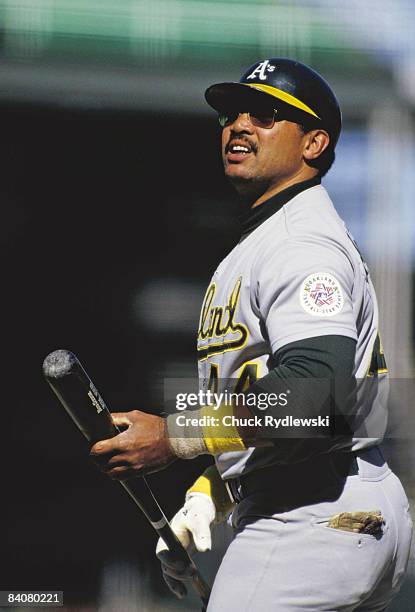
{"points": [[320, 521]]}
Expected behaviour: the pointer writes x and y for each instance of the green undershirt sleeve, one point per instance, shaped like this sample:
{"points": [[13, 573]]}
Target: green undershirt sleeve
{"points": [[316, 376]]}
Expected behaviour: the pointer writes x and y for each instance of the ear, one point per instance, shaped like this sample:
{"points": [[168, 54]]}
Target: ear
{"points": [[316, 142]]}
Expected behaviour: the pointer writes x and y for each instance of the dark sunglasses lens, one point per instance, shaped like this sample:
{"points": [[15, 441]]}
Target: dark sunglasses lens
{"points": [[227, 118], [262, 119]]}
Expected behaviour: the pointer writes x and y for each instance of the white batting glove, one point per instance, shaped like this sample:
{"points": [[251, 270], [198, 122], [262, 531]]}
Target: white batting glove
{"points": [[192, 525]]}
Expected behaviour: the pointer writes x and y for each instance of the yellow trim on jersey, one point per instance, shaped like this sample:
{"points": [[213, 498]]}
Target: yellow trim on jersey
{"points": [[217, 348], [284, 96], [380, 370], [220, 438]]}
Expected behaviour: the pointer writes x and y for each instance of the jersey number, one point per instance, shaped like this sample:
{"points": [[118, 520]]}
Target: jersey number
{"points": [[246, 378]]}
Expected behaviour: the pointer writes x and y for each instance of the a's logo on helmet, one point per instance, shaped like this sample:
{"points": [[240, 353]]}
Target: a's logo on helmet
{"points": [[261, 70]]}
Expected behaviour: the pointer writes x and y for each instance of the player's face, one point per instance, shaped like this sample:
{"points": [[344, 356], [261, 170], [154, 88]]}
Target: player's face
{"points": [[257, 160]]}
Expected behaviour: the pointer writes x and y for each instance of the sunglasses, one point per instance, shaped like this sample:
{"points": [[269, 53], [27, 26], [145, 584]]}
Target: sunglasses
{"points": [[262, 119]]}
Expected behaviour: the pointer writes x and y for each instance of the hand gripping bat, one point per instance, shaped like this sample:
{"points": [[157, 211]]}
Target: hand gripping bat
{"points": [[82, 401]]}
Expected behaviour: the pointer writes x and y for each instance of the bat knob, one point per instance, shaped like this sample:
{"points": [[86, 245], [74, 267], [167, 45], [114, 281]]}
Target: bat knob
{"points": [[59, 363]]}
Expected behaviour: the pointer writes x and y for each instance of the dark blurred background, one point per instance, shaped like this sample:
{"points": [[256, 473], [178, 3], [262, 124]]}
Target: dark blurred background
{"points": [[115, 214], [111, 223]]}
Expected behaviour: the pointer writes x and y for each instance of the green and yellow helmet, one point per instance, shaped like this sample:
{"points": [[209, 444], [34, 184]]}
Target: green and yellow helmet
{"points": [[294, 89]]}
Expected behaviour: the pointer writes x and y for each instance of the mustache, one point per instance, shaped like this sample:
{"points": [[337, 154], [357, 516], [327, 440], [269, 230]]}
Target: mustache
{"points": [[241, 139]]}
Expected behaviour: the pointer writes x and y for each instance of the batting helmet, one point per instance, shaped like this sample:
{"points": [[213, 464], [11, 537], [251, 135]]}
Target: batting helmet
{"points": [[296, 90]]}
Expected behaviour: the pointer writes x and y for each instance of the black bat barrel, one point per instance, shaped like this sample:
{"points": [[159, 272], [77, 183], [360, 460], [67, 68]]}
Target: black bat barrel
{"points": [[85, 406], [79, 395]]}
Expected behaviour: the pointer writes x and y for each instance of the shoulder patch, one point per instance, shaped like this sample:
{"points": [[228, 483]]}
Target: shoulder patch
{"points": [[321, 295]]}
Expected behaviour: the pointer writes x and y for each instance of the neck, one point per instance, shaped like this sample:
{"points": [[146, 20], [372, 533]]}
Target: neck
{"points": [[251, 218], [254, 200]]}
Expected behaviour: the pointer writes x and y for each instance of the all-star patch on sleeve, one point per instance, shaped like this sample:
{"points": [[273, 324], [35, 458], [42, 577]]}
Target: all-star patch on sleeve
{"points": [[321, 295], [305, 289]]}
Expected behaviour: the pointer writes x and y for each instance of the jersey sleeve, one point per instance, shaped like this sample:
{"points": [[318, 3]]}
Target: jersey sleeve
{"points": [[304, 289]]}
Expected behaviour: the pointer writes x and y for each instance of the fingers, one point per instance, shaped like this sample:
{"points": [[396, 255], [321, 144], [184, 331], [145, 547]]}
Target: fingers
{"points": [[103, 447], [175, 572], [111, 458], [119, 468], [111, 446], [200, 529], [176, 586], [182, 532], [119, 442], [141, 449], [192, 527], [122, 419], [173, 567]]}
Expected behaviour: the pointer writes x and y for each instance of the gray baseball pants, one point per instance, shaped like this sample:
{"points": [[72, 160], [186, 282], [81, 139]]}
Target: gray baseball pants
{"points": [[285, 557]]}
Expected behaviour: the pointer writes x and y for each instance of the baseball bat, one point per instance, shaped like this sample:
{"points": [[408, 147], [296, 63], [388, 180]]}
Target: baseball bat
{"points": [[82, 401]]}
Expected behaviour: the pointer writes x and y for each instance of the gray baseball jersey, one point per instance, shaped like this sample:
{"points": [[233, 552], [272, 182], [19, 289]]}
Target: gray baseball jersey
{"points": [[297, 275]]}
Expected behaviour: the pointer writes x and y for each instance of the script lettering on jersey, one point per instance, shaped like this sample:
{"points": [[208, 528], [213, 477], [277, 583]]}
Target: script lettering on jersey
{"points": [[218, 322]]}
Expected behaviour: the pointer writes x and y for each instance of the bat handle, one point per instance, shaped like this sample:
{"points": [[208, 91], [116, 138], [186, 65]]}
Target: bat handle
{"points": [[142, 495], [179, 552], [73, 387], [199, 584], [202, 589]]}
